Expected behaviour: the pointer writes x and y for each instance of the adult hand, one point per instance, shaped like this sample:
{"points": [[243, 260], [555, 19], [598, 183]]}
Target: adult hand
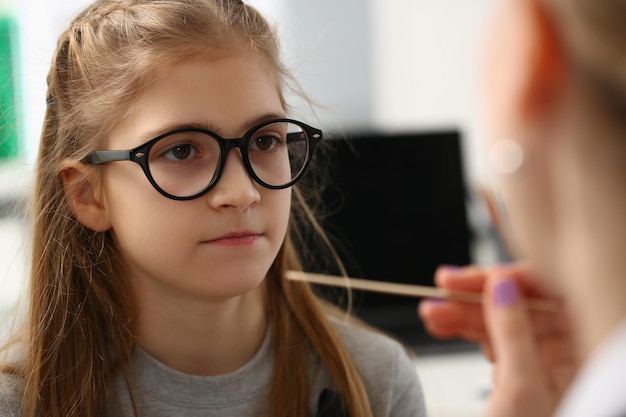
{"points": [[532, 352]]}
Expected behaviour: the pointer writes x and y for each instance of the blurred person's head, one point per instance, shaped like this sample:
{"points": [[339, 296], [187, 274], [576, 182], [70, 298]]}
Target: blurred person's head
{"points": [[555, 92]]}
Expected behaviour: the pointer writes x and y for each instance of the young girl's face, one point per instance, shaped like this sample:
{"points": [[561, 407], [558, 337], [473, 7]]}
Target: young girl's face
{"points": [[218, 245]]}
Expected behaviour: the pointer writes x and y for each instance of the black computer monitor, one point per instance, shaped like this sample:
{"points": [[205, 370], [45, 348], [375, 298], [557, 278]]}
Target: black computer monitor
{"points": [[397, 210]]}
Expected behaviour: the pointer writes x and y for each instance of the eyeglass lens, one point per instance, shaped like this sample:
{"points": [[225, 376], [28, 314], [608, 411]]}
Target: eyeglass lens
{"points": [[185, 163]]}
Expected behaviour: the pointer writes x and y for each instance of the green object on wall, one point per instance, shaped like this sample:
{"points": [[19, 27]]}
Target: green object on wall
{"points": [[9, 137]]}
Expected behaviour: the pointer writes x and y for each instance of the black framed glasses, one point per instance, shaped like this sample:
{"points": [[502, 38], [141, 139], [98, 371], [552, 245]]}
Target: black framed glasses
{"points": [[186, 163]]}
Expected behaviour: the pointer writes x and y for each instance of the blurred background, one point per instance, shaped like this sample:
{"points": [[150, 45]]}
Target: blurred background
{"points": [[376, 67]]}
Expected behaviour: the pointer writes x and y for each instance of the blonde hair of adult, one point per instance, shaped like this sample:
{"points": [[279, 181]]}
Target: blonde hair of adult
{"points": [[595, 34], [79, 328]]}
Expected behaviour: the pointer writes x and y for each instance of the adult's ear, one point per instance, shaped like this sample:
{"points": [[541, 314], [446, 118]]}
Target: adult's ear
{"points": [[81, 191], [547, 61], [525, 69]]}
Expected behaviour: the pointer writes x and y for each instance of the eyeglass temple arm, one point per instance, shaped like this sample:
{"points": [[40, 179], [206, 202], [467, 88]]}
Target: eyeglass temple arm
{"points": [[102, 157]]}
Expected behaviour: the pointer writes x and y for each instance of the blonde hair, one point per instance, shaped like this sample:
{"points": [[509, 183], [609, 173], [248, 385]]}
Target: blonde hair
{"points": [[594, 34], [80, 323]]}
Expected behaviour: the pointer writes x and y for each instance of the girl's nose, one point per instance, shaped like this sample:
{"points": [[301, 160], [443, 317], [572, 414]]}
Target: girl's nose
{"points": [[235, 187]]}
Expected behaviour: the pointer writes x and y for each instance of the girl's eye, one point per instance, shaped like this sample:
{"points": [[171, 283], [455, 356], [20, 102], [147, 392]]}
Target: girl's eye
{"points": [[180, 152], [265, 143]]}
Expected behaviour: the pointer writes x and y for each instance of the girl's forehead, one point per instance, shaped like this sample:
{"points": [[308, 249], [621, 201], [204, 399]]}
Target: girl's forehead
{"points": [[219, 70], [220, 94]]}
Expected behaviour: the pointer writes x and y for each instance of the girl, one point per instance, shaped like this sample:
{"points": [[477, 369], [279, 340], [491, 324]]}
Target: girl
{"points": [[558, 100], [163, 225]]}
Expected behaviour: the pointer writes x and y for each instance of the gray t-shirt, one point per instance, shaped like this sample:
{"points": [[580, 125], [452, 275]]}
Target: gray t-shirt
{"points": [[387, 371]]}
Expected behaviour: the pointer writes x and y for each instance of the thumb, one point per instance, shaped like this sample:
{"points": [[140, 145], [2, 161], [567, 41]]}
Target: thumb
{"points": [[511, 333]]}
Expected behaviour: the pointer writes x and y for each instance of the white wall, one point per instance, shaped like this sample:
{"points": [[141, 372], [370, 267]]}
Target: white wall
{"points": [[427, 62]]}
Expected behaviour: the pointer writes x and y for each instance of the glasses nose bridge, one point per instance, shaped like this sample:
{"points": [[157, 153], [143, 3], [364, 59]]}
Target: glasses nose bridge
{"points": [[227, 145], [230, 143]]}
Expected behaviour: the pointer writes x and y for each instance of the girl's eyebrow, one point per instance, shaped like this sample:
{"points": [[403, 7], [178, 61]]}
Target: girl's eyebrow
{"points": [[207, 126], [173, 126], [268, 116]]}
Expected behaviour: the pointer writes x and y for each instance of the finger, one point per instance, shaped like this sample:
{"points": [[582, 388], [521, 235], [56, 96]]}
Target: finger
{"points": [[530, 284], [511, 331], [550, 324], [552, 339], [469, 278], [559, 359], [555, 351], [444, 319]]}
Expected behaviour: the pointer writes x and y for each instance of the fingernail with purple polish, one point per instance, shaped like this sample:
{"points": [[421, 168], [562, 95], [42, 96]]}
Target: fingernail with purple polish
{"points": [[505, 293]]}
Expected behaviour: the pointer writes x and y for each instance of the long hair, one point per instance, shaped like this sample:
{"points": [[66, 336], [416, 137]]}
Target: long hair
{"points": [[79, 328]]}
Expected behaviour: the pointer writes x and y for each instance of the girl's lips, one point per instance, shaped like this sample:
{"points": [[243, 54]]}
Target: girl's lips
{"points": [[235, 239]]}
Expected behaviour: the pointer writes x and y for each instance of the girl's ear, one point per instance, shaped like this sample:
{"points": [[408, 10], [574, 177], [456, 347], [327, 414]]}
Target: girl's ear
{"points": [[84, 201]]}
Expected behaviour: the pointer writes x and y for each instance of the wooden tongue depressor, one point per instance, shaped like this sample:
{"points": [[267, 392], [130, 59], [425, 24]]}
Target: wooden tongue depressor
{"points": [[408, 289]]}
